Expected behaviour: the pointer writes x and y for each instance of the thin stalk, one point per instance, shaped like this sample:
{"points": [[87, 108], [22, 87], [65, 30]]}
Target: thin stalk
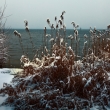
{"points": [[20, 41], [76, 51], [31, 42]]}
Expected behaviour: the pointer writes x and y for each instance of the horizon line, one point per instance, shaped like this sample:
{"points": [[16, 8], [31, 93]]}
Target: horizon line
{"points": [[66, 29]]}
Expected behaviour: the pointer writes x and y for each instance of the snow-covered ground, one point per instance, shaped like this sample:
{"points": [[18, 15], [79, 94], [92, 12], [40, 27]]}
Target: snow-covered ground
{"points": [[6, 77], [10, 70]]}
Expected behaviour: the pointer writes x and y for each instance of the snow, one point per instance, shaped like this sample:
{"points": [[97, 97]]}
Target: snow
{"points": [[10, 70], [7, 78]]}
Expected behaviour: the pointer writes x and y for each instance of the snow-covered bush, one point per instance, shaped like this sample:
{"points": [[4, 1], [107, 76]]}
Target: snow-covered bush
{"points": [[57, 79]]}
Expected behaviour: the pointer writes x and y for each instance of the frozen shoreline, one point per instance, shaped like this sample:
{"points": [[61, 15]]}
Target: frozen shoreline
{"points": [[10, 70], [6, 77]]}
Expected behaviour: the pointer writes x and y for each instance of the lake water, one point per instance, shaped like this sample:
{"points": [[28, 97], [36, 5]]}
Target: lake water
{"points": [[15, 50]]}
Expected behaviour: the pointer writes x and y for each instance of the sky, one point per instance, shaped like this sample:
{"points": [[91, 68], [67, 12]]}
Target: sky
{"points": [[86, 13]]}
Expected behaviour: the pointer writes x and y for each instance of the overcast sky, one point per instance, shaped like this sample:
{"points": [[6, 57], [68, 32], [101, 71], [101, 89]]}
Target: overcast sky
{"points": [[86, 13]]}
